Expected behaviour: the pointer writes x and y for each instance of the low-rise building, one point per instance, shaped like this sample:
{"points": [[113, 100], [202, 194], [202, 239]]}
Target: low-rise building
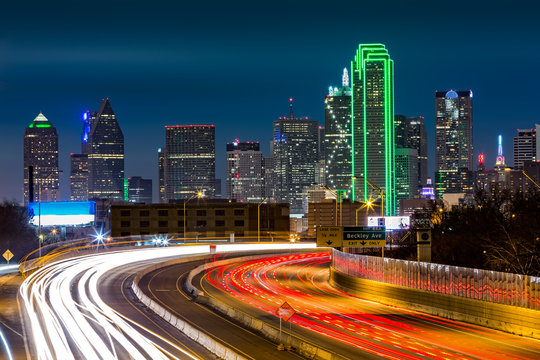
{"points": [[204, 218]]}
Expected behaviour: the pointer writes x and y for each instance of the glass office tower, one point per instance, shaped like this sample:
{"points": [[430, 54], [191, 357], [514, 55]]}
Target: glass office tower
{"points": [[372, 108]]}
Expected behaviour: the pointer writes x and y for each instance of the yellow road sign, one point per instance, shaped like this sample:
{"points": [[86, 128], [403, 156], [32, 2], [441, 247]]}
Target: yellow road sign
{"points": [[8, 255], [364, 243], [329, 236]]}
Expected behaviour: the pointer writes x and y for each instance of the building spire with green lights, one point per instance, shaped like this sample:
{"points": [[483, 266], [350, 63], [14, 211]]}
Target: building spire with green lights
{"points": [[40, 122]]}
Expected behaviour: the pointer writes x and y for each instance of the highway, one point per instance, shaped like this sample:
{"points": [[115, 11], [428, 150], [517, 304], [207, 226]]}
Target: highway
{"points": [[352, 326], [83, 307], [69, 318], [164, 286]]}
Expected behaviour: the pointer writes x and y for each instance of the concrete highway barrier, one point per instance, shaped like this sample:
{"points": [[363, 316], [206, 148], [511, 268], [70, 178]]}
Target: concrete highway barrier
{"points": [[513, 319], [193, 333], [302, 346]]}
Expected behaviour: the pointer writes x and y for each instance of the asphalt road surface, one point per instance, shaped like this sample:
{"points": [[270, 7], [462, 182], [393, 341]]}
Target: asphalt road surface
{"points": [[348, 324]]}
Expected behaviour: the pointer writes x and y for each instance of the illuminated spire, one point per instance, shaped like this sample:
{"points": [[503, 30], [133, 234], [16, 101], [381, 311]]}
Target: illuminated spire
{"points": [[345, 78], [40, 117], [290, 101], [499, 164], [40, 121]]}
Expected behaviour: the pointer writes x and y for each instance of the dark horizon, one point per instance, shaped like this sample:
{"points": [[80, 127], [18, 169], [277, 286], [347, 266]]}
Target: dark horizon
{"points": [[236, 66]]}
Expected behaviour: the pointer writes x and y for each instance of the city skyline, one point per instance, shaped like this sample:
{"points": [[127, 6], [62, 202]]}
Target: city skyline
{"points": [[153, 83]]}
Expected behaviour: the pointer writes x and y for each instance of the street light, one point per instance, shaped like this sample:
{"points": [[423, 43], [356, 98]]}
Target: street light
{"points": [[199, 194], [259, 219], [368, 204], [379, 190]]}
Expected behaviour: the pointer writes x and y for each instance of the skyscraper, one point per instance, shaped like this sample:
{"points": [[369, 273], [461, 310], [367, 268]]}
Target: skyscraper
{"points": [[245, 172], [294, 153], [41, 152], [524, 147], [453, 138], [338, 143], [105, 148], [268, 170], [79, 177], [161, 175], [79, 162], [139, 190], [416, 136], [406, 173], [400, 137], [190, 161], [373, 163], [320, 141]]}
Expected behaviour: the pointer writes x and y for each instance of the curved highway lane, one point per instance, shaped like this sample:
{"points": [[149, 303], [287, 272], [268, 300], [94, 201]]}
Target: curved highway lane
{"points": [[68, 319], [81, 307], [369, 329]]}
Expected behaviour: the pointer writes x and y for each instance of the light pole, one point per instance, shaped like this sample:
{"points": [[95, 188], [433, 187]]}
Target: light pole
{"points": [[199, 194], [259, 219], [368, 204]]}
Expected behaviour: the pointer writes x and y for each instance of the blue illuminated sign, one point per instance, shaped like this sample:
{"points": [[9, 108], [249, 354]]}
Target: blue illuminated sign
{"points": [[62, 213]]}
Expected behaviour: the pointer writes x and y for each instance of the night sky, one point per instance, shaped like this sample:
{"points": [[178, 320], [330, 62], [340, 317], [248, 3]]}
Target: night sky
{"points": [[235, 65]]}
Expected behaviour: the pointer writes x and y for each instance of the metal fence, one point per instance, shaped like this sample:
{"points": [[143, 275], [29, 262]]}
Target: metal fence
{"points": [[492, 286]]}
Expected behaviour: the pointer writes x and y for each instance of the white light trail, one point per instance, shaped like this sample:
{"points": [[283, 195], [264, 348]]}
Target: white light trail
{"points": [[69, 320], [6, 346]]}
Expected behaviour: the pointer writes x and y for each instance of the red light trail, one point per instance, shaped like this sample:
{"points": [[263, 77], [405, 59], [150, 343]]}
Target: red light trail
{"points": [[389, 332]]}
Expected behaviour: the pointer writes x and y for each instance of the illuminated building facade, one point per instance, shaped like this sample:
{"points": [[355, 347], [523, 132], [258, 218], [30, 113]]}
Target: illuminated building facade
{"points": [[500, 164], [524, 147], [372, 125], [245, 172], [411, 134], [406, 173], [190, 161], [161, 175], [139, 190], [453, 139], [416, 135], [294, 153], [459, 181], [338, 137], [505, 178], [41, 152], [428, 191], [105, 147], [78, 177], [268, 170], [320, 141]]}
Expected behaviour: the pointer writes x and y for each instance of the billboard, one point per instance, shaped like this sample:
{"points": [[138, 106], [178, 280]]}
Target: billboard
{"points": [[390, 222], [62, 213]]}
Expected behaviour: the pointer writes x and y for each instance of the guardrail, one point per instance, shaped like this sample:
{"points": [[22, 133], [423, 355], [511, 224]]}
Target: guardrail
{"points": [[485, 285]]}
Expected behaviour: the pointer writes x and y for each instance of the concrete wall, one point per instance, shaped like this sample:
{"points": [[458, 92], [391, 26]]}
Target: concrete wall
{"points": [[512, 319]]}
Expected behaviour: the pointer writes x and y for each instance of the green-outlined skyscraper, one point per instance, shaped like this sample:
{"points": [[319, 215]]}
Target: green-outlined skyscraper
{"points": [[372, 109]]}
